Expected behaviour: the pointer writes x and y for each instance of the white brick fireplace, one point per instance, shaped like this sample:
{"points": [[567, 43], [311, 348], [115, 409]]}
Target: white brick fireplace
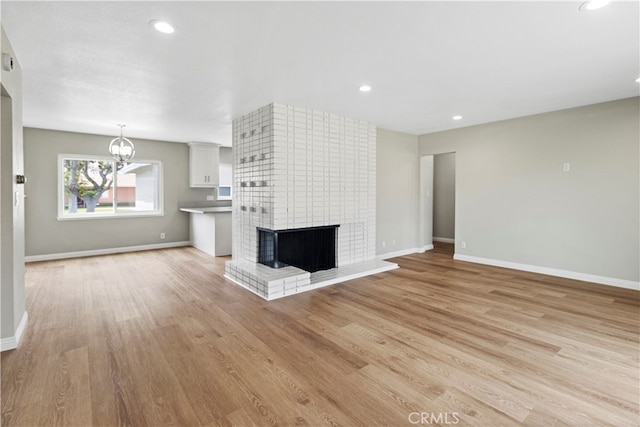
{"points": [[296, 168]]}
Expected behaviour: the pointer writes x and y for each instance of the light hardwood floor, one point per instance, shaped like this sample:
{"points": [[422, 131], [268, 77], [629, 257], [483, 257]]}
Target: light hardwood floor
{"points": [[161, 338]]}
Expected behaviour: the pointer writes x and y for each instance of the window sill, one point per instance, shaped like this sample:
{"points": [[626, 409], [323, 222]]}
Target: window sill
{"points": [[82, 217]]}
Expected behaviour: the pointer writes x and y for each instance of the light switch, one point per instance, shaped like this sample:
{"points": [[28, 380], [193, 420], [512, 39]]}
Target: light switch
{"points": [[566, 167]]}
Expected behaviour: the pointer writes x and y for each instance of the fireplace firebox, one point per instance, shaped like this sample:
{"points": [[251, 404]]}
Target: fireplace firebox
{"points": [[310, 249]]}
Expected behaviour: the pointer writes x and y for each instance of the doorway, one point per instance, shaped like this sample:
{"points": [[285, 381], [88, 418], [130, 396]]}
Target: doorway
{"points": [[444, 202], [437, 204]]}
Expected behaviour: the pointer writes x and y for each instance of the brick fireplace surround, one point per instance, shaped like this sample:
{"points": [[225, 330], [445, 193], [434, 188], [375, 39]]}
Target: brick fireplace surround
{"points": [[297, 168]]}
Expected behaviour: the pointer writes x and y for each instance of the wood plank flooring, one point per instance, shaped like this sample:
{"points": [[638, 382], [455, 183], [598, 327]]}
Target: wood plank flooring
{"points": [[161, 338]]}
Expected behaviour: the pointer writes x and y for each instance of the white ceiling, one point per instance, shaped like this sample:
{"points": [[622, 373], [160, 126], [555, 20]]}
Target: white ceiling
{"points": [[90, 65]]}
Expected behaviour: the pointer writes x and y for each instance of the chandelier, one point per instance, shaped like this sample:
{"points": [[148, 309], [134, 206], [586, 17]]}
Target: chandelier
{"points": [[121, 149]]}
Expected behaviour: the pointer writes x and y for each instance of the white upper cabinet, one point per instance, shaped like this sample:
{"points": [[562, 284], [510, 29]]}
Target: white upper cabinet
{"points": [[203, 164]]}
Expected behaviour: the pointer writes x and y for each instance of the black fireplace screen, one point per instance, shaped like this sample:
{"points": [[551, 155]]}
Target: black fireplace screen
{"points": [[310, 249]]}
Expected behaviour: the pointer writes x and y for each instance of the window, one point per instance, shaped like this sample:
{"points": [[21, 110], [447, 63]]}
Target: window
{"points": [[224, 193], [225, 181], [99, 187]]}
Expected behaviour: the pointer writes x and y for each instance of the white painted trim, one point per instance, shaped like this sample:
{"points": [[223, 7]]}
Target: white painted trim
{"points": [[404, 252], [610, 281], [21, 327], [8, 343], [444, 240], [395, 254], [107, 251], [96, 216], [114, 215], [12, 342]]}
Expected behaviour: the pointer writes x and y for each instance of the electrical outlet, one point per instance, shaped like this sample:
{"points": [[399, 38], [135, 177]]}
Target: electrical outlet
{"points": [[210, 198], [384, 244], [463, 244], [162, 235], [393, 243]]}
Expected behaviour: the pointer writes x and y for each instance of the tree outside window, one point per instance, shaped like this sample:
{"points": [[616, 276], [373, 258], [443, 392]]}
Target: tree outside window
{"points": [[86, 181]]}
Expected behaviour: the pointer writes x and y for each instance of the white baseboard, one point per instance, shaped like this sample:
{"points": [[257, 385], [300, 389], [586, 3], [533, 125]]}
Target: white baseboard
{"points": [[444, 240], [108, 251], [611, 281], [404, 252], [11, 343]]}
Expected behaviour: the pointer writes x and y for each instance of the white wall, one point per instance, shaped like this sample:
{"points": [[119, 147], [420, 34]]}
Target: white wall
{"points": [[515, 204], [13, 314], [398, 193], [45, 235]]}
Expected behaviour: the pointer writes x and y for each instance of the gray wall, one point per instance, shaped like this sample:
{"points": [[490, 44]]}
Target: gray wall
{"points": [[397, 187], [514, 202], [11, 216], [226, 155], [444, 195], [46, 235]]}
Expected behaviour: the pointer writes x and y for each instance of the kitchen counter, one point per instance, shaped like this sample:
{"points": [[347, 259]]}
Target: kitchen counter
{"points": [[207, 210], [210, 229]]}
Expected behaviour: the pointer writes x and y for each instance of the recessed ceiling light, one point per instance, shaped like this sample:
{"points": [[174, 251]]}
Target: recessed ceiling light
{"points": [[457, 117], [365, 88], [638, 80], [162, 26], [594, 4]]}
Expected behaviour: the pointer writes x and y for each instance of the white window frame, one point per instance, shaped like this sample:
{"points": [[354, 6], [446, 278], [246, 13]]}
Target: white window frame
{"points": [[83, 216]]}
